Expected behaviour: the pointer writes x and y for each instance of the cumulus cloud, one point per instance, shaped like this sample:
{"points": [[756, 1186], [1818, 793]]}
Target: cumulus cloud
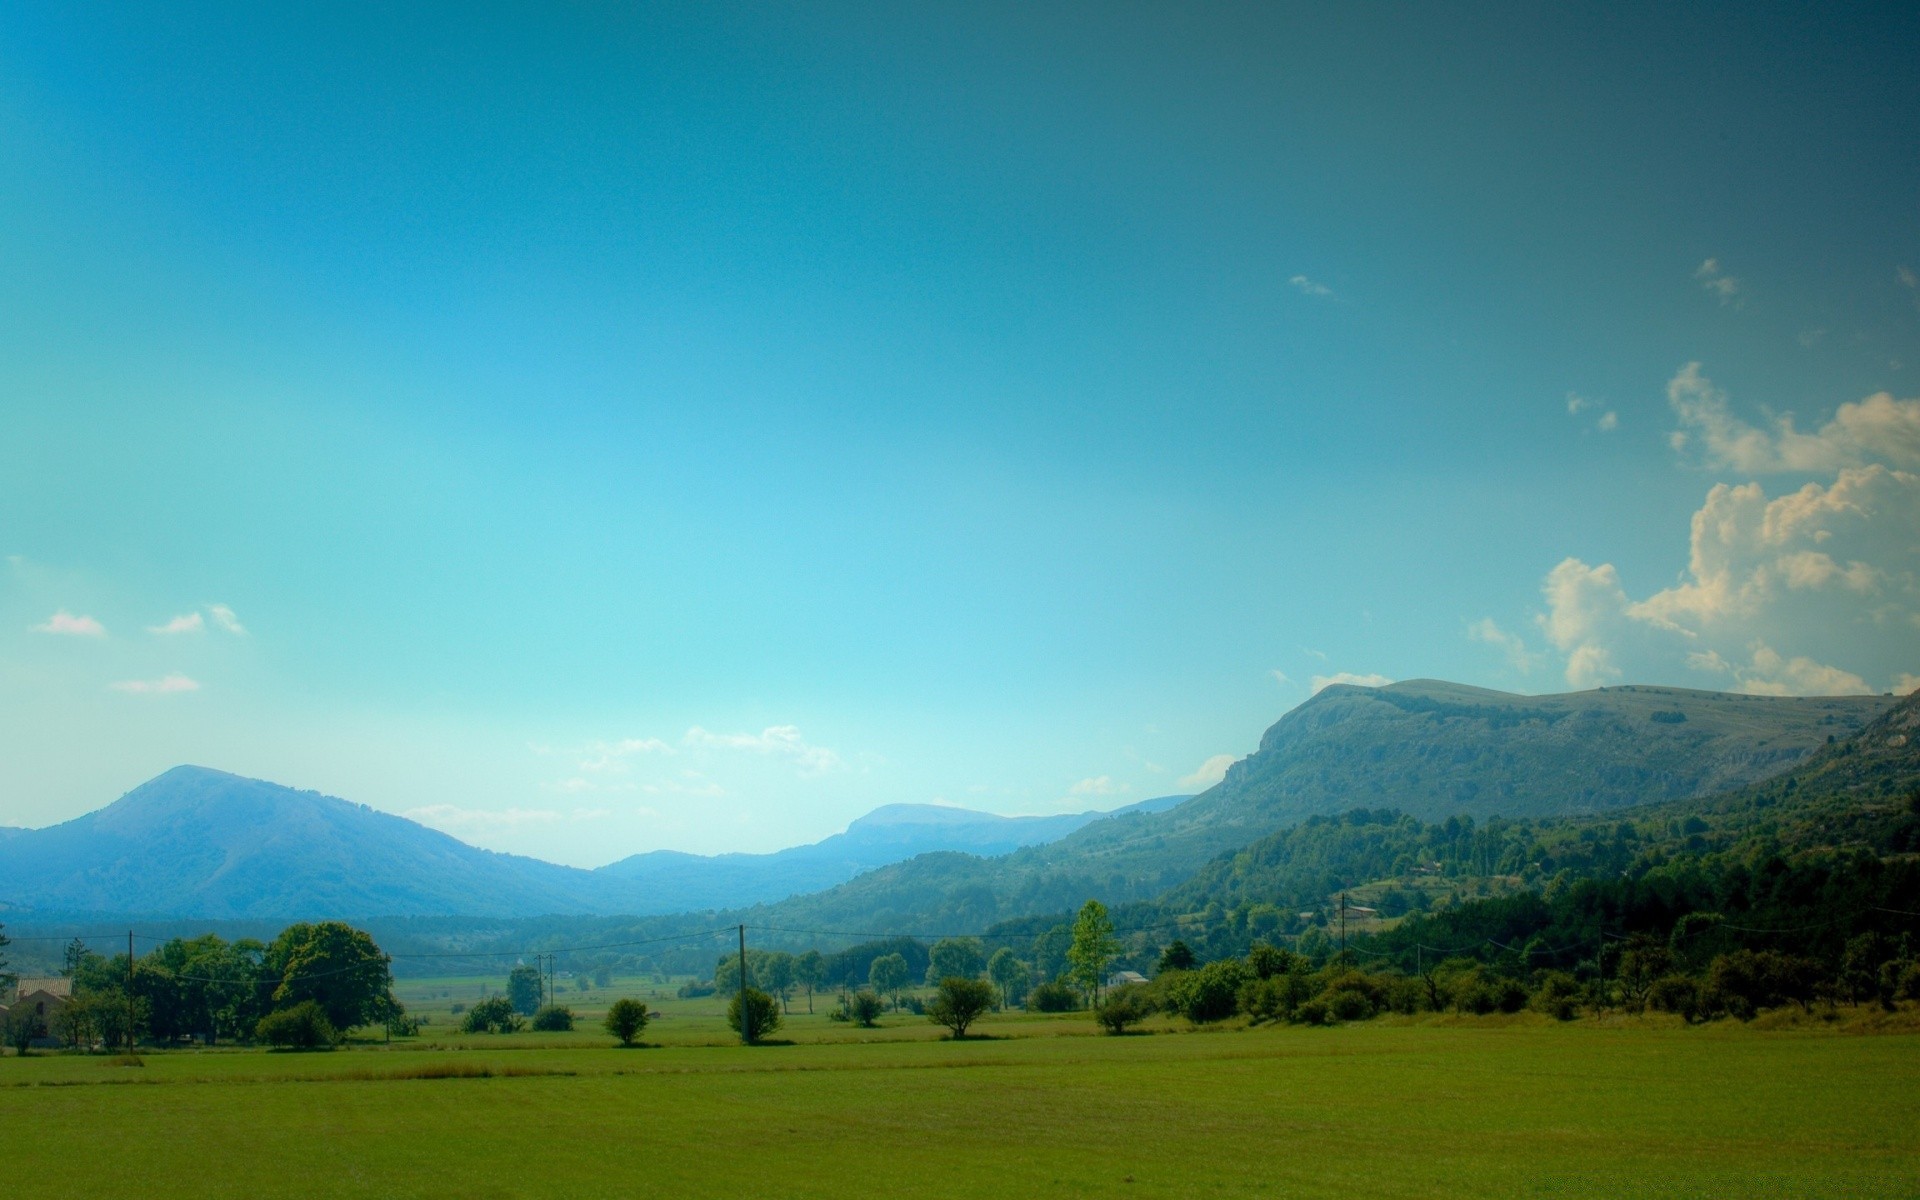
{"points": [[1793, 593], [1906, 683], [1281, 677], [1308, 287], [1208, 773], [224, 618], [1099, 785], [1606, 422], [185, 623], [1324, 681], [166, 685], [614, 756], [1717, 281], [782, 741], [1876, 429], [67, 624], [1511, 644]]}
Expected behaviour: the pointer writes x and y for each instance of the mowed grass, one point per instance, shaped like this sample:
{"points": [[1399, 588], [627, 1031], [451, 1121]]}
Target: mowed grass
{"points": [[1461, 1107]]}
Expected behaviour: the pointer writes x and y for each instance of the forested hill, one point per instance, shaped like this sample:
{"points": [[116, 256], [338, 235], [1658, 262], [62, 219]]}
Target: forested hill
{"points": [[1427, 749]]}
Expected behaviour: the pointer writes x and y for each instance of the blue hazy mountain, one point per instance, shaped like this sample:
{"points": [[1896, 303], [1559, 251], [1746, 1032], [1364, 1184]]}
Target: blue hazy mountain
{"points": [[195, 842]]}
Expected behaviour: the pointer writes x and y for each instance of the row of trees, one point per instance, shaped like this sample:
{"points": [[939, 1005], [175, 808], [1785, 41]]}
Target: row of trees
{"points": [[214, 990]]}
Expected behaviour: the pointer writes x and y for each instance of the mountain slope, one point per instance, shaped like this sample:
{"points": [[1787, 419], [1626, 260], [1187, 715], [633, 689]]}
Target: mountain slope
{"points": [[195, 842], [1429, 749]]}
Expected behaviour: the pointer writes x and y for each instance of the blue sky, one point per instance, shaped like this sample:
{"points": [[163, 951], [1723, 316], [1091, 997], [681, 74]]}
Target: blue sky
{"points": [[613, 427]]}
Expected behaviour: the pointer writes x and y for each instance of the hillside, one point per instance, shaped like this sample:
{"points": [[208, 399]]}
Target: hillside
{"points": [[1427, 749]]}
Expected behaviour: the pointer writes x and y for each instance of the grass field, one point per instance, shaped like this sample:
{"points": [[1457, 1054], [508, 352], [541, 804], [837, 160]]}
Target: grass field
{"points": [[1518, 1107]]}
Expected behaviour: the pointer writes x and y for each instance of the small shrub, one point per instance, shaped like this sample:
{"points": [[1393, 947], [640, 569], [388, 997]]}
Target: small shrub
{"points": [[1128, 1004], [1558, 995], [1676, 994], [554, 1018], [1053, 997], [958, 1003], [625, 1019], [301, 1027], [1313, 1012], [493, 1015], [761, 1014], [864, 1009], [693, 991], [1209, 994], [1349, 1004]]}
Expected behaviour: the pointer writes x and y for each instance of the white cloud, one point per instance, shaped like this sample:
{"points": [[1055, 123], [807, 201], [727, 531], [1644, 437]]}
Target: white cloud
{"points": [[1510, 644], [166, 685], [1308, 287], [1209, 772], [1281, 677], [690, 783], [1608, 422], [1776, 590], [69, 625], [614, 756], [185, 623], [1099, 785], [224, 618], [1906, 683], [1316, 655], [1717, 281], [1876, 429], [1348, 677], [1906, 277], [780, 740]]}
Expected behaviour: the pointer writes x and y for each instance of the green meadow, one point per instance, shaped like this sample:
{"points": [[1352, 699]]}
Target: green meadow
{"points": [[1035, 1106]]}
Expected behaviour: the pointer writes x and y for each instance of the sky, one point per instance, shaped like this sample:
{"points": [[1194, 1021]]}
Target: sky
{"points": [[590, 429]]}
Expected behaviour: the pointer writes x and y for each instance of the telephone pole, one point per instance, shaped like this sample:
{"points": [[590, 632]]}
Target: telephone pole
{"points": [[1343, 928], [129, 991], [746, 1015]]}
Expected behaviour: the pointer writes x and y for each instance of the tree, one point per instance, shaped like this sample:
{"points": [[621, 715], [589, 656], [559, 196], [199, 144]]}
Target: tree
{"points": [[1178, 956], [776, 973], [1210, 994], [1010, 974], [888, 974], [303, 1026], [626, 1018], [959, 1002], [336, 966], [956, 958], [23, 1028], [753, 1014], [495, 1014], [1093, 947], [553, 1018], [1128, 1004], [864, 1007], [809, 970], [525, 989]]}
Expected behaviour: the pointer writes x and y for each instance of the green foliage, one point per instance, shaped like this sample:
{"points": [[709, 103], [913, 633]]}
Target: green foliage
{"points": [[1093, 947], [1123, 1006], [525, 987], [1178, 956], [1010, 975], [958, 1002], [302, 1026], [626, 1019], [1558, 995], [1209, 994], [334, 965], [495, 1014], [863, 1008], [1053, 997], [955, 958], [753, 1014], [888, 974], [553, 1018]]}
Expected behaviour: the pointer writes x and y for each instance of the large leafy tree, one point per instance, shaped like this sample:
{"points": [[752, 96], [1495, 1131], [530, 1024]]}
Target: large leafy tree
{"points": [[1093, 947], [888, 974], [333, 964], [959, 1003], [1009, 974], [524, 988], [809, 971], [956, 958]]}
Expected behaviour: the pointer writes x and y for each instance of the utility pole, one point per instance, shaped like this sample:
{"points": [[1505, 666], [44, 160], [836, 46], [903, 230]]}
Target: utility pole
{"points": [[1343, 928], [746, 1016], [129, 991]]}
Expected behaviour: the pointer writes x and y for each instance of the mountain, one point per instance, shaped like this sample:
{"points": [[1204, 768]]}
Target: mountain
{"points": [[885, 835], [195, 842], [1426, 748]]}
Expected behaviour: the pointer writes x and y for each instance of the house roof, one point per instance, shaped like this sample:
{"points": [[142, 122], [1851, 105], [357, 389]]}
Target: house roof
{"points": [[58, 986]]}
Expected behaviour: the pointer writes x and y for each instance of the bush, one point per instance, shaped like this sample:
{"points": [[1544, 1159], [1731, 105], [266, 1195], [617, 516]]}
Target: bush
{"points": [[1209, 994], [301, 1027], [1557, 994], [1128, 1004], [493, 1015], [959, 1003], [1353, 995], [1349, 1004], [554, 1018], [1053, 997], [626, 1017], [1676, 994], [762, 1014], [693, 991], [864, 1009], [1313, 1012]]}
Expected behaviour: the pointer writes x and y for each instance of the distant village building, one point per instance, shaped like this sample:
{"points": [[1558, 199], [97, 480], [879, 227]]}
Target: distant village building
{"points": [[1119, 977], [43, 999]]}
